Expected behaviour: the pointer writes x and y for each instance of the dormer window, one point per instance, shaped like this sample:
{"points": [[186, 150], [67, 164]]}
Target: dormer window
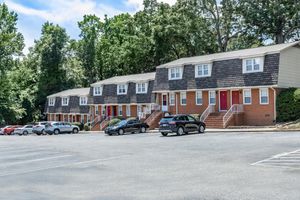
{"points": [[97, 91], [51, 101], [141, 88], [65, 101], [83, 101], [122, 89], [252, 65], [175, 73], [203, 70]]}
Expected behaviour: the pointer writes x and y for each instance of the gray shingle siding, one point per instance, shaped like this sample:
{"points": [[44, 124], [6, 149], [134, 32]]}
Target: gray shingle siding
{"points": [[226, 73], [73, 106]]}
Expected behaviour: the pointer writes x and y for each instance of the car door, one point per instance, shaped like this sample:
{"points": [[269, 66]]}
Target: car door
{"points": [[192, 123], [68, 127], [129, 126], [28, 128], [136, 125]]}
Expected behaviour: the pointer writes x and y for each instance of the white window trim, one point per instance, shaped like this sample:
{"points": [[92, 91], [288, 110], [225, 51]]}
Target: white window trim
{"points": [[260, 95], [141, 92], [245, 90], [261, 65], [62, 101], [128, 111], [120, 110], [196, 96], [209, 65], [170, 103], [183, 93], [100, 92], [180, 73], [86, 100], [122, 93], [96, 110], [210, 96], [53, 101]]}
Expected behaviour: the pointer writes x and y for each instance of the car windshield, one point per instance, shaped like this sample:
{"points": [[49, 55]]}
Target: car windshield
{"points": [[166, 119], [121, 123]]}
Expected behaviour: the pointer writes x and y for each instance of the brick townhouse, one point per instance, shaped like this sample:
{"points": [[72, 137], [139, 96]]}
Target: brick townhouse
{"points": [[232, 88]]}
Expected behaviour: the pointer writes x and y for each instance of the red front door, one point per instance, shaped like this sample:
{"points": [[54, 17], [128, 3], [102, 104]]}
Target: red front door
{"points": [[235, 97], [109, 111], [223, 100]]}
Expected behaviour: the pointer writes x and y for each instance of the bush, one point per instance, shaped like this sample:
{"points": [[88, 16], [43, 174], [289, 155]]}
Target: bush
{"points": [[86, 127], [288, 105], [114, 121], [80, 125]]}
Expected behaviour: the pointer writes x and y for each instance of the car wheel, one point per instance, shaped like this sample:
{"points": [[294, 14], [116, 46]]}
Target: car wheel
{"points": [[121, 132], [164, 134], [180, 131], [56, 132], [75, 130], [143, 129], [201, 129], [25, 133]]}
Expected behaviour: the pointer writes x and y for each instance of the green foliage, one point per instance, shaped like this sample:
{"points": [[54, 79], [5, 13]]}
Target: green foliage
{"points": [[80, 125], [288, 105], [114, 121], [86, 127]]}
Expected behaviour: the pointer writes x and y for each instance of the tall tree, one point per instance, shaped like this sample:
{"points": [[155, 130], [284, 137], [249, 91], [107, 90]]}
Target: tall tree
{"points": [[278, 20], [51, 52], [11, 45]]}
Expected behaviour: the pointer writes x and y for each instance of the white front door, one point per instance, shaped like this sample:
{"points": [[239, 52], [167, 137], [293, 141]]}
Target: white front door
{"points": [[164, 101]]}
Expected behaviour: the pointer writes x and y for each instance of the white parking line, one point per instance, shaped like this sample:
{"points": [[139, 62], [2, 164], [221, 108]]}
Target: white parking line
{"points": [[65, 165], [28, 154], [24, 150]]}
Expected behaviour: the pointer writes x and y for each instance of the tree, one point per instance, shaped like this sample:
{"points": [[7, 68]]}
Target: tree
{"points": [[278, 20], [11, 45]]}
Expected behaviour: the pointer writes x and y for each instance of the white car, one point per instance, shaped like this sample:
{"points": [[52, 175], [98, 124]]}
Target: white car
{"points": [[25, 130], [39, 128]]}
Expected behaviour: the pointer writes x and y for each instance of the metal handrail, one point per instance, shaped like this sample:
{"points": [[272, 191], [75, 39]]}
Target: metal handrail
{"points": [[235, 108], [206, 113]]}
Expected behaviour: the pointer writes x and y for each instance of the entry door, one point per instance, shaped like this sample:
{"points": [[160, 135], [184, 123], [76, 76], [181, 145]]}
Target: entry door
{"points": [[235, 97], [223, 100], [164, 107]]}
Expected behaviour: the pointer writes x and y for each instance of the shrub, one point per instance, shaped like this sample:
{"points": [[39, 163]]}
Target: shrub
{"points": [[288, 105], [80, 125], [86, 127], [114, 121]]}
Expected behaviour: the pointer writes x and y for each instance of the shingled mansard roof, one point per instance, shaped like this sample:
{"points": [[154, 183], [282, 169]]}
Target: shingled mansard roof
{"points": [[126, 79], [71, 92], [253, 52]]}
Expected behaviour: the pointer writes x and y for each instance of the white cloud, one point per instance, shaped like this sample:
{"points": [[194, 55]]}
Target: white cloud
{"points": [[138, 4]]}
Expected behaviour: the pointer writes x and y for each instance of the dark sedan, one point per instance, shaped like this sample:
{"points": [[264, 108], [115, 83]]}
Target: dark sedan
{"points": [[180, 124], [127, 126]]}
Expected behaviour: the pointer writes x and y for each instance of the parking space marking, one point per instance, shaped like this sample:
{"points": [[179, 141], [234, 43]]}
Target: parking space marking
{"points": [[64, 165], [15, 156], [28, 149], [289, 160]]}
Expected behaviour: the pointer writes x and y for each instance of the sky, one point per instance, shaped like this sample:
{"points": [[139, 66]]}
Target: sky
{"points": [[33, 13]]}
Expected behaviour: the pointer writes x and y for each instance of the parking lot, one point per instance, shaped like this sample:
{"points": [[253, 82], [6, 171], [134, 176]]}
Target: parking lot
{"points": [[212, 166]]}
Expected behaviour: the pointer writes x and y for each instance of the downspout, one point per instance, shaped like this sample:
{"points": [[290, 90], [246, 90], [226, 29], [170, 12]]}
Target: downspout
{"points": [[275, 97], [176, 103]]}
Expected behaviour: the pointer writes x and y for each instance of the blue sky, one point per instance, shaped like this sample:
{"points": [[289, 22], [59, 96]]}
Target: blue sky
{"points": [[33, 13]]}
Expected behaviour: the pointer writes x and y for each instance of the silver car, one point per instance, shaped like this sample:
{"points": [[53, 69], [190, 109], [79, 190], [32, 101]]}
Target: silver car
{"points": [[39, 128], [25, 130], [60, 127]]}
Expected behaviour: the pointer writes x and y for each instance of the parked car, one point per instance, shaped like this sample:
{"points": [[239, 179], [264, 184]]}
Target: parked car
{"points": [[60, 127], [180, 124], [9, 130], [25, 130], [127, 126], [39, 128], [1, 132]]}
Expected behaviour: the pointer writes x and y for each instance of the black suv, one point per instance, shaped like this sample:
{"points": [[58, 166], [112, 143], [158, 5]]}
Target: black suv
{"points": [[180, 124]]}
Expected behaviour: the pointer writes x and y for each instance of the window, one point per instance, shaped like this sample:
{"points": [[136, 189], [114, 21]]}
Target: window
{"points": [[128, 110], [102, 110], [212, 97], [141, 88], [183, 98], [139, 110], [252, 65], [96, 110], [51, 101], [98, 91], [175, 73], [264, 95], [203, 70], [83, 101], [122, 89], [190, 119], [82, 119], [65, 101], [172, 99], [120, 112], [247, 96], [198, 97]]}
